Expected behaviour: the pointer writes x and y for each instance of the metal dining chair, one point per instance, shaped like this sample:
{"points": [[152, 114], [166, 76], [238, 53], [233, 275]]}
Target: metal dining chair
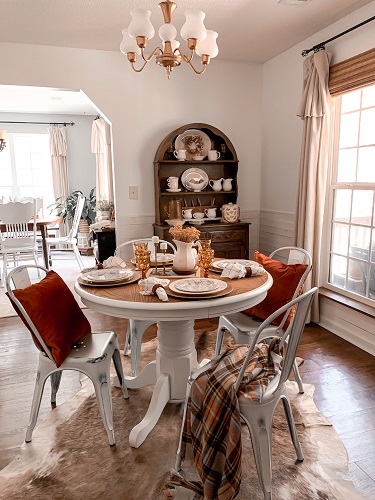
{"points": [[91, 354], [136, 328]]}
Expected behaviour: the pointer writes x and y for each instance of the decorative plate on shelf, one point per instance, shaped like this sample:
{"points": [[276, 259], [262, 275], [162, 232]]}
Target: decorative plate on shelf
{"points": [[194, 141], [194, 174]]}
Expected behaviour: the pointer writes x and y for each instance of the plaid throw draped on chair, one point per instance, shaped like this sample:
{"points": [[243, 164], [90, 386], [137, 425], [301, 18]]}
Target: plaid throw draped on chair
{"points": [[212, 424]]}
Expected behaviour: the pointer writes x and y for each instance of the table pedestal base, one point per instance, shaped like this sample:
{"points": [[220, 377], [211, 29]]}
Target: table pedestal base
{"points": [[176, 358]]}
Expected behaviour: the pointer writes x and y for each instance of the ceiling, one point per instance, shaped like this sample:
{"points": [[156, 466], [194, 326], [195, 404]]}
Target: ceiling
{"points": [[249, 30]]}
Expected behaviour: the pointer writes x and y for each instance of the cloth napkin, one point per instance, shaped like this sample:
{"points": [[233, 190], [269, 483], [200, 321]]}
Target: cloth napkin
{"points": [[236, 270], [114, 262], [154, 285]]}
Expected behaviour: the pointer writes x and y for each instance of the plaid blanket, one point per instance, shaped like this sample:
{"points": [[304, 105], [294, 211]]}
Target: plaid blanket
{"points": [[212, 425]]}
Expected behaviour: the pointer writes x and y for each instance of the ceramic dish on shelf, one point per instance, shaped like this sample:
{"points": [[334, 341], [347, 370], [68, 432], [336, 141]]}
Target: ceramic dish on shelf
{"points": [[220, 264], [196, 143], [173, 222], [135, 277], [198, 296], [107, 275], [198, 286], [173, 190], [194, 174]]}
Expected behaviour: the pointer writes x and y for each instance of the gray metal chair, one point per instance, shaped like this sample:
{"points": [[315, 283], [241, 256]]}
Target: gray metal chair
{"points": [[258, 416], [136, 328], [243, 327]]}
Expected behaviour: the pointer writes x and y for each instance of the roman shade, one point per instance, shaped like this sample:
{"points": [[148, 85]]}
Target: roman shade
{"points": [[353, 73]]}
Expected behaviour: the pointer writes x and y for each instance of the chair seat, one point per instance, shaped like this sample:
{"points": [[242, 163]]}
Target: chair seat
{"points": [[61, 239], [19, 248], [90, 347]]}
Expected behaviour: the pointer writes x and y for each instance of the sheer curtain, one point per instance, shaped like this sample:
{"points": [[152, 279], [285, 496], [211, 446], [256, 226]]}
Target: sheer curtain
{"points": [[59, 161], [101, 147], [315, 107]]}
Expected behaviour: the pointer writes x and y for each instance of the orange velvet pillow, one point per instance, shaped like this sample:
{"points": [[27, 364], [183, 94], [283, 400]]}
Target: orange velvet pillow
{"points": [[55, 313], [285, 280]]}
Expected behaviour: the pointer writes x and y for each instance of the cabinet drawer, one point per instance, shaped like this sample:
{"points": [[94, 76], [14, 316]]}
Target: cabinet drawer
{"points": [[227, 235]]}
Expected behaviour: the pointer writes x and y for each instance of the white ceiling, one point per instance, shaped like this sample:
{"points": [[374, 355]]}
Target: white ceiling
{"points": [[249, 30]]}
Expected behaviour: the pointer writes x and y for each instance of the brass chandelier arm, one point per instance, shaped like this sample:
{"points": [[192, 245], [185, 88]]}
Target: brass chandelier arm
{"points": [[204, 60], [153, 53], [140, 69], [185, 58]]}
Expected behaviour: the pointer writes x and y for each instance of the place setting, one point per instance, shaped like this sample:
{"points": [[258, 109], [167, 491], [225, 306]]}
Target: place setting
{"points": [[113, 272]]}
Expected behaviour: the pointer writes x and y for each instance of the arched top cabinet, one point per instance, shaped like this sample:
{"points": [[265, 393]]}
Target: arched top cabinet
{"points": [[229, 240]]}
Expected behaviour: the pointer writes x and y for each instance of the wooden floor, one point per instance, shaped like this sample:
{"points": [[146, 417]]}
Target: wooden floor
{"points": [[344, 377]]}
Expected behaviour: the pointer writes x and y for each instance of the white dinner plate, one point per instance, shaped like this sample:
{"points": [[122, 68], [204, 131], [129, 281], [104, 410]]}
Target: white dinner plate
{"points": [[198, 286], [191, 173], [107, 275], [220, 264]]}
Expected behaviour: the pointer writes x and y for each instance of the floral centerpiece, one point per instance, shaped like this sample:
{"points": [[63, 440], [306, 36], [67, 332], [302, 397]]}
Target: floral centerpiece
{"points": [[186, 234]]}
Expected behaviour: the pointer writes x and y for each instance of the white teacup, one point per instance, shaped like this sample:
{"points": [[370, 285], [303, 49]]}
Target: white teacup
{"points": [[213, 155], [198, 215], [187, 213], [172, 182], [210, 212], [180, 154]]}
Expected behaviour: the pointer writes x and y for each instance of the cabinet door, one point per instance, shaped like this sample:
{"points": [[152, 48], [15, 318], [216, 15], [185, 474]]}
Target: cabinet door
{"points": [[230, 251]]}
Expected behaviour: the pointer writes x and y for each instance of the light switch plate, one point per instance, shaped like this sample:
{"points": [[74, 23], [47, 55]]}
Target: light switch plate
{"points": [[133, 192]]}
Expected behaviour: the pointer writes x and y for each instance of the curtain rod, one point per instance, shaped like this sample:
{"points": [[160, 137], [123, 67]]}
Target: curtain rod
{"points": [[44, 123], [320, 46]]}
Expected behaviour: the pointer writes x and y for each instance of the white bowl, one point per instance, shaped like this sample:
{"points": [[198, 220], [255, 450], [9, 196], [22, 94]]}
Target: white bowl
{"points": [[196, 186], [199, 157], [174, 222]]}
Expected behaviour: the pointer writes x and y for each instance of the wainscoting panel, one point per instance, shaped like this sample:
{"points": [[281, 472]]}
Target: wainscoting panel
{"points": [[353, 326], [276, 230], [252, 216]]}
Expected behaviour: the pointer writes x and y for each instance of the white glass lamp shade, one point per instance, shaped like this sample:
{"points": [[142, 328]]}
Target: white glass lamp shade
{"points": [[194, 27], [174, 44], [128, 43], [209, 46], [140, 25], [167, 32], [4, 135]]}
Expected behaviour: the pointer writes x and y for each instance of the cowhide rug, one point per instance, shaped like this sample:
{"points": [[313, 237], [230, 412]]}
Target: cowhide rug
{"points": [[70, 459]]}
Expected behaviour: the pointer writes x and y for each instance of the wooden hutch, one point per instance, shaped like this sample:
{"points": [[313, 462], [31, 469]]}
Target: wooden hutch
{"points": [[229, 240]]}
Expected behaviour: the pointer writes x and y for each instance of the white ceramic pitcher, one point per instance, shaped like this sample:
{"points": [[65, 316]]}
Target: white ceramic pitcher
{"points": [[216, 185], [227, 184]]}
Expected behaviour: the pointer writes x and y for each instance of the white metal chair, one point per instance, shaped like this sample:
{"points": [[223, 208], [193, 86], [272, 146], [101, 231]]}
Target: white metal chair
{"points": [[71, 239], [91, 356], [258, 416], [18, 240], [243, 327], [136, 328]]}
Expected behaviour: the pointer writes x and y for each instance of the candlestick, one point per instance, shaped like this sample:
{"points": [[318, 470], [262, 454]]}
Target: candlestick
{"points": [[155, 240], [156, 245], [164, 256], [163, 246]]}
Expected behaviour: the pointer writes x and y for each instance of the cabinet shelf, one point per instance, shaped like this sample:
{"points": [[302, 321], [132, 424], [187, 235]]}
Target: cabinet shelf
{"points": [[196, 193]]}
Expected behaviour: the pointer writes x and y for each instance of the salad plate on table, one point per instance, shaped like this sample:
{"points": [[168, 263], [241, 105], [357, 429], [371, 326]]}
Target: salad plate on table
{"points": [[107, 275], [201, 286], [219, 265]]}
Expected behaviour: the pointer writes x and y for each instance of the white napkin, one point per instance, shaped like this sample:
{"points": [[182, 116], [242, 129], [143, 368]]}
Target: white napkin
{"points": [[149, 287], [236, 270], [114, 262]]}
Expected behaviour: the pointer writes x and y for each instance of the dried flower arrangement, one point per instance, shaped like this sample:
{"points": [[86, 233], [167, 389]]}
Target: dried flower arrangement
{"points": [[186, 234], [194, 144]]}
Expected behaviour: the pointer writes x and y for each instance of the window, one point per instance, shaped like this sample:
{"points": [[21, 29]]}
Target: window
{"points": [[352, 195], [25, 167]]}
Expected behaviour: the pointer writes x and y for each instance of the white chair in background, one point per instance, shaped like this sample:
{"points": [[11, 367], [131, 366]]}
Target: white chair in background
{"points": [[243, 327], [258, 416], [91, 355], [71, 239], [136, 328], [18, 240]]}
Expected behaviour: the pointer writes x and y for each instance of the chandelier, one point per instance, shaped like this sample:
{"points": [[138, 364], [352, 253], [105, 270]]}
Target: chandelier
{"points": [[3, 139], [140, 30]]}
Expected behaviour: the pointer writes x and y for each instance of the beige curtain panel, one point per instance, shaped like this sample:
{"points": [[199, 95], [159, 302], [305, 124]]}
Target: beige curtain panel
{"points": [[353, 73], [314, 109], [59, 162], [101, 147]]}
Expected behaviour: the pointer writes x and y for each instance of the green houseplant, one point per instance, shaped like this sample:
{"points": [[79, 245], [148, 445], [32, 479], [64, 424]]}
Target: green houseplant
{"points": [[66, 206]]}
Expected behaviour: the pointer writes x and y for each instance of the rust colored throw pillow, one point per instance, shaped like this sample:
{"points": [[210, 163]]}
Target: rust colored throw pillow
{"points": [[285, 280], [55, 313]]}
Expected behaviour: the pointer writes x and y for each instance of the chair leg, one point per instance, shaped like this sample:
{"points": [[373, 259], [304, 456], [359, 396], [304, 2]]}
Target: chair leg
{"points": [[4, 277], [292, 428], [298, 378], [55, 384], [119, 372], [37, 397], [78, 256], [136, 331], [127, 340], [179, 456], [219, 340], [104, 399], [260, 427]]}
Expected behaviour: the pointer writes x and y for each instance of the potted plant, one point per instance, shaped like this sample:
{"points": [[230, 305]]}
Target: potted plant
{"points": [[104, 209], [65, 207]]}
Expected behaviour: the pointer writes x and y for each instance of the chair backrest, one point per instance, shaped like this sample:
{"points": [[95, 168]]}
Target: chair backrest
{"points": [[77, 216], [130, 245], [293, 255], [291, 338], [17, 216], [19, 278]]}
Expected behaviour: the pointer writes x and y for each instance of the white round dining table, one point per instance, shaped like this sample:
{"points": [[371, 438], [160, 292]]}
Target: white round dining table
{"points": [[176, 356]]}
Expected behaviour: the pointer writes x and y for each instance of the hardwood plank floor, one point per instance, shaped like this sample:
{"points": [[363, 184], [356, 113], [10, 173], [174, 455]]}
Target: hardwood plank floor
{"points": [[343, 375]]}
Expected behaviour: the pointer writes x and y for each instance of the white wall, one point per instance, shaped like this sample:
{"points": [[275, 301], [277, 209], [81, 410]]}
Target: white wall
{"points": [[144, 108], [81, 162]]}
